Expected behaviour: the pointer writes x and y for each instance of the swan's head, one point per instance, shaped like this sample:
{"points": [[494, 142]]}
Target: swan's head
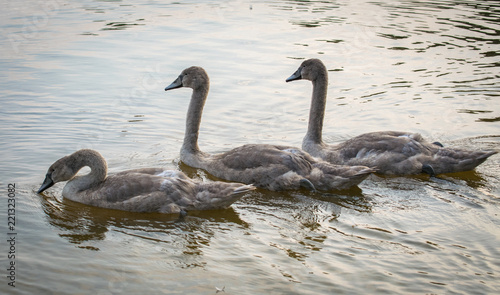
{"points": [[192, 77], [66, 168], [310, 70], [57, 172]]}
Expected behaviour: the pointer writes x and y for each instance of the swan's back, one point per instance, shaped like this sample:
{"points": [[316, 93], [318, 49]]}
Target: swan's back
{"points": [[252, 156], [173, 193], [278, 167], [402, 153]]}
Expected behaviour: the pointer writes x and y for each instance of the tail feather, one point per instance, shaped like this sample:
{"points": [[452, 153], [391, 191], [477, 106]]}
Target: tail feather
{"points": [[243, 189], [366, 171], [326, 176], [219, 195], [486, 155], [448, 160]]}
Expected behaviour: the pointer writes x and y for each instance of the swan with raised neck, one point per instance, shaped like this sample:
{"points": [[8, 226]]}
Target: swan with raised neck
{"points": [[392, 152], [273, 167], [138, 190]]}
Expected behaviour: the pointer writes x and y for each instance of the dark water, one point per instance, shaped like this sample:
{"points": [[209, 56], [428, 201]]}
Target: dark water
{"points": [[91, 75]]}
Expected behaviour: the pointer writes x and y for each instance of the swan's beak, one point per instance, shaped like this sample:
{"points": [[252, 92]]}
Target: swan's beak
{"points": [[296, 76], [176, 84], [48, 182]]}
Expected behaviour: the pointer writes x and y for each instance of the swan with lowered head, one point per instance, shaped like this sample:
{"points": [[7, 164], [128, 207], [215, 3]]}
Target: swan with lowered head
{"points": [[273, 167], [138, 190], [392, 152]]}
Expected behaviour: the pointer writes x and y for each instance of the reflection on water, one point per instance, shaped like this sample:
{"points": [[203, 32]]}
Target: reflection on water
{"points": [[91, 74], [81, 224], [75, 224]]}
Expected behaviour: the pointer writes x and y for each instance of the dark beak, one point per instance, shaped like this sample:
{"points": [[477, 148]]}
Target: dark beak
{"points": [[176, 84], [48, 182], [296, 76]]}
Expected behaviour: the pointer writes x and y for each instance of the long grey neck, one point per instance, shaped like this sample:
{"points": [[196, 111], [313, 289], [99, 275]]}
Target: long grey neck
{"points": [[317, 109], [97, 174], [193, 120]]}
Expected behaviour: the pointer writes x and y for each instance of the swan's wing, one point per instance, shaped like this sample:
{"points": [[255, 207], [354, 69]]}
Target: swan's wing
{"points": [[152, 193], [400, 144], [263, 155], [124, 186]]}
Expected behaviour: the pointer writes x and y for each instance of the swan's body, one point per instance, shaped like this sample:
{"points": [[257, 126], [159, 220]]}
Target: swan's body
{"points": [[273, 167], [392, 152], [138, 190]]}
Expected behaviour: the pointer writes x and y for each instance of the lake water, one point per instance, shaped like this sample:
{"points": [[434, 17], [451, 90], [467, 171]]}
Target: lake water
{"points": [[91, 74]]}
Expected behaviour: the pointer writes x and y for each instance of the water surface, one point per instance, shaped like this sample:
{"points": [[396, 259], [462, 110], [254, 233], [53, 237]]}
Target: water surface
{"points": [[91, 75]]}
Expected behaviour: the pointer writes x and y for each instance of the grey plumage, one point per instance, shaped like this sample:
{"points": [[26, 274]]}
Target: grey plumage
{"points": [[392, 152], [273, 167], [138, 190]]}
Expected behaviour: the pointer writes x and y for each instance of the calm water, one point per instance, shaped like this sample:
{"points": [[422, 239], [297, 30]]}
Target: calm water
{"points": [[91, 75]]}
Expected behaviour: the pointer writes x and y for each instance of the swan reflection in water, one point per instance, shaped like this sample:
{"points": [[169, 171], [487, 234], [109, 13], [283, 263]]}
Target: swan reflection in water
{"points": [[83, 225], [302, 216], [298, 214]]}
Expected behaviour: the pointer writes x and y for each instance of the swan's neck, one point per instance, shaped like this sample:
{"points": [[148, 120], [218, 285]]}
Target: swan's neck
{"points": [[97, 174], [317, 110], [193, 120]]}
